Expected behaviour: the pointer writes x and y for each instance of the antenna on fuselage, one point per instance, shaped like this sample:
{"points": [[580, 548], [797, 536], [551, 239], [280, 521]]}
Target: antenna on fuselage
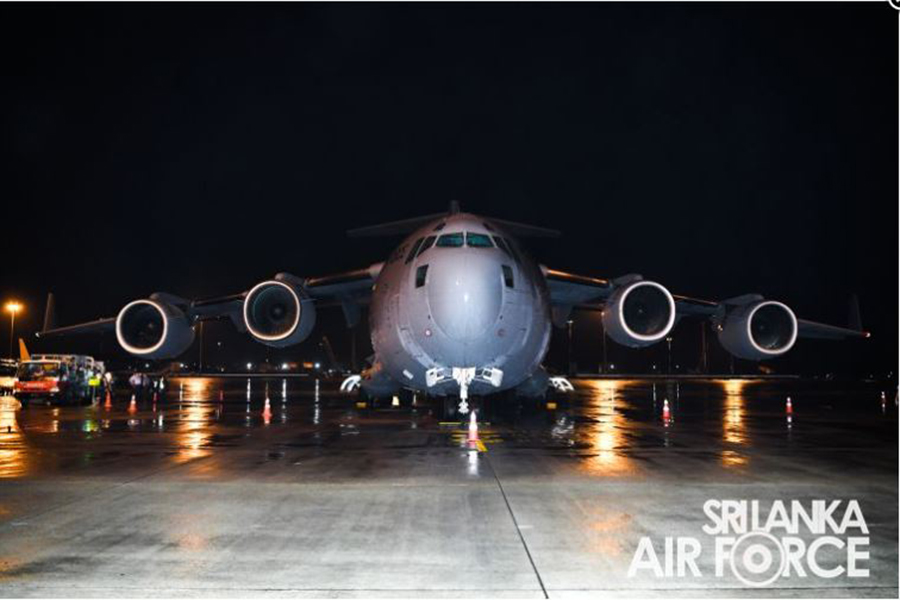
{"points": [[454, 207]]}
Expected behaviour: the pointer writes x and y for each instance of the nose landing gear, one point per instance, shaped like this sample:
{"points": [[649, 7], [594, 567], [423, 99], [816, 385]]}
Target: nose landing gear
{"points": [[463, 377]]}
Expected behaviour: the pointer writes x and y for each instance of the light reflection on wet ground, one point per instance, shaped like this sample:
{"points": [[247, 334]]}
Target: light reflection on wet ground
{"points": [[13, 452], [202, 486], [604, 427]]}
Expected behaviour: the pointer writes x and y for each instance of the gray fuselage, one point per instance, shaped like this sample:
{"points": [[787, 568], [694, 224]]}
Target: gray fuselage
{"points": [[458, 294]]}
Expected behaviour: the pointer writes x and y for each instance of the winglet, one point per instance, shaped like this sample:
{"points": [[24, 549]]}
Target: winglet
{"points": [[49, 313], [854, 320]]}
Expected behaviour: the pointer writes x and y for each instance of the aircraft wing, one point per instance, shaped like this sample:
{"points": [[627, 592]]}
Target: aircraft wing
{"points": [[355, 285], [822, 331], [196, 310], [98, 326], [349, 289], [569, 290]]}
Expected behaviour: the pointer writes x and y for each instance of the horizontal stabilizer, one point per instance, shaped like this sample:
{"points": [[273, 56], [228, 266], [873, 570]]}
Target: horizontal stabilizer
{"points": [[409, 225], [525, 230], [394, 227]]}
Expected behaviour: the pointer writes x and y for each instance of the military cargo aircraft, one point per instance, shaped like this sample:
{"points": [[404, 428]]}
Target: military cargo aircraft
{"points": [[458, 309]]}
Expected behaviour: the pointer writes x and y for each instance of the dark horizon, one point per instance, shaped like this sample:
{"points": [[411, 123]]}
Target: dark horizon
{"points": [[720, 150]]}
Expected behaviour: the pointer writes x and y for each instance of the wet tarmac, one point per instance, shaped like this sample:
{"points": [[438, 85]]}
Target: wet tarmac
{"points": [[234, 487]]}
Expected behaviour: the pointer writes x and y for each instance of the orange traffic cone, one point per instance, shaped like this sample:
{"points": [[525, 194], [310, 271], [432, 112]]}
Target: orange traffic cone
{"points": [[788, 407], [267, 412], [473, 431], [667, 415], [108, 404], [132, 407]]}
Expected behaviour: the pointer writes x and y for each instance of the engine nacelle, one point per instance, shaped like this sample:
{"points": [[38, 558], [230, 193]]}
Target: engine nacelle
{"points": [[153, 328], [759, 330], [639, 314], [278, 313]]}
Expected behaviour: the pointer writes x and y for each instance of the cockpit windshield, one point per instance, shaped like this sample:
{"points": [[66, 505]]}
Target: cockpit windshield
{"points": [[478, 240], [450, 240], [458, 239]]}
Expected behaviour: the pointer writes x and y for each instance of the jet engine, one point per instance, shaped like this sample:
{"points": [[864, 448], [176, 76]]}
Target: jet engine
{"points": [[639, 314], [153, 328], [278, 313], [759, 330]]}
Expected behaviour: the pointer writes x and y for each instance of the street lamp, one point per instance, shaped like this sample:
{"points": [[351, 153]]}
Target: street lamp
{"points": [[12, 308]]}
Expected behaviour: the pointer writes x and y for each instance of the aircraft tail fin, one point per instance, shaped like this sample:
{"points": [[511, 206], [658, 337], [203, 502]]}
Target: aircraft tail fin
{"points": [[49, 313], [23, 351]]}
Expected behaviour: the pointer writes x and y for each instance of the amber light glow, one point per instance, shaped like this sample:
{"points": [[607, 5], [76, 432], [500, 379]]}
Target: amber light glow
{"points": [[14, 455], [605, 435], [733, 421], [193, 431]]}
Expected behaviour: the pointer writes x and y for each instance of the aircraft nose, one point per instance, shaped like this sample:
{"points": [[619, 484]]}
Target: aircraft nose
{"points": [[466, 295]]}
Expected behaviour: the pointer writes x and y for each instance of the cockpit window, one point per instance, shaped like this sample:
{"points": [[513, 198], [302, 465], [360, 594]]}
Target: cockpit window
{"points": [[413, 250], [428, 243], [502, 244], [421, 274], [508, 276], [478, 240], [450, 240]]}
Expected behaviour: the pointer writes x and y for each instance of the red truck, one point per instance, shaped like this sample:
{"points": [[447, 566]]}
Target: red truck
{"points": [[60, 377]]}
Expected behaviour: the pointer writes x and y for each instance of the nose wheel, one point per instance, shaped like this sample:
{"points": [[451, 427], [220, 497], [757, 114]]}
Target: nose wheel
{"points": [[447, 408], [451, 408]]}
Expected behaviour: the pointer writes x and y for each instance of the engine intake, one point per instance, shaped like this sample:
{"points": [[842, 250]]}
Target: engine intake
{"points": [[759, 330], [153, 328], [639, 314], [278, 314]]}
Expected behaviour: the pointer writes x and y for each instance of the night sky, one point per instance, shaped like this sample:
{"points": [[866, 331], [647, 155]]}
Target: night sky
{"points": [[719, 149]]}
